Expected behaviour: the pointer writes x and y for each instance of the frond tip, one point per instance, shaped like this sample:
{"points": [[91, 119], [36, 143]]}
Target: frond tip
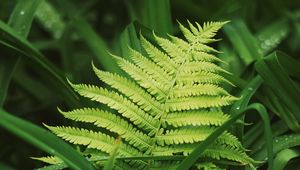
{"points": [[170, 101]]}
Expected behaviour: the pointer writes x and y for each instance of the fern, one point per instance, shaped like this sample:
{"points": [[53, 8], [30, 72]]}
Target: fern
{"points": [[172, 101]]}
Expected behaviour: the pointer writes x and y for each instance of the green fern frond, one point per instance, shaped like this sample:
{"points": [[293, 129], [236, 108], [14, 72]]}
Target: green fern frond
{"points": [[95, 140], [215, 151], [143, 79], [199, 102], [196, 118], [170, 102], [197, 89], [196, 66], [131, 90], [201, 77], [153, 70], [49, 159], [120, 103], [113, 123], [159, 57], [193, 135]]}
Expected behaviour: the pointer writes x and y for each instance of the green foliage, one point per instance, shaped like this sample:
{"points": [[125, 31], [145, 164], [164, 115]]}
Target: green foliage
{"points": [[42, 42], [158, 111]]}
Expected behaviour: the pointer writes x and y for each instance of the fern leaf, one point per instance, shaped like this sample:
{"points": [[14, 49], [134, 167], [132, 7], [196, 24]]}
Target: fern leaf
{"points": [[188, 103], [171, 101], [156, 72], [201, 77], [196, 66], [49, 159], [152, 86], [119, 103], [203, 56], [172, 50], [196, 118], [159, 57], [214, 151], [195, 134], [95, 140], [209, 30], [187, 33], [196, 90], [113, 123], [131, 90]]}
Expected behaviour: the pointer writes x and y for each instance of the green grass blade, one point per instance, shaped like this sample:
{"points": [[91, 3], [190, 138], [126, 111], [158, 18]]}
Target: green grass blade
{"points": [[283, 157], [109, 164], [44, 140], [157, 15], [129, 38], [276, 77], [269, 37], [248, 92], [96, 44], [279, 143], [243, 41], [51, 73], [50, 19], [20, 20]]}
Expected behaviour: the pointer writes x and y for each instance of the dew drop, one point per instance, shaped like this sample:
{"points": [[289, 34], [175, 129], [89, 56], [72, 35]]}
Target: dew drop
{"points": [[52, 151], [276, 140], [268, 42], [238, 108], [22, 12], [250, 88]]}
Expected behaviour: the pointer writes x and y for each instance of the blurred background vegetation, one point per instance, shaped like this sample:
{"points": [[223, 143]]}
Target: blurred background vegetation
{"points": [[60, 38]]}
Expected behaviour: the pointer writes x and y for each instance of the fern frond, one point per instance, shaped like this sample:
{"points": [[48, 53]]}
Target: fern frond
{"points": [[201, 77], [203, 56], [159, 57], [197, 89], [130, 89], [208, 30], [119, 103], [49, 159], [112, 123], [214, 151], [188, 103], [172, 50], [95, 140], [142, 78], [156, 72], [195, 134], [171, 101], [197, 66], [196, 118]]}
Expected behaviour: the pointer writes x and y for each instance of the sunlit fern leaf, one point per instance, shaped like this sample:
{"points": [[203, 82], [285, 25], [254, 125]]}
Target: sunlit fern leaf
{"points": [[96, 140], [196, 118], [171, 101], [49, 159], [113, 123]]}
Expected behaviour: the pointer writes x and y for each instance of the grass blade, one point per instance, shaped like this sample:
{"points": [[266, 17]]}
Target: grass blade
{"points": [[283, 157], [50, 72], [243, 41], [129, 38], [276, 77], [157, 15], [20, 20], [44, 140]]}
